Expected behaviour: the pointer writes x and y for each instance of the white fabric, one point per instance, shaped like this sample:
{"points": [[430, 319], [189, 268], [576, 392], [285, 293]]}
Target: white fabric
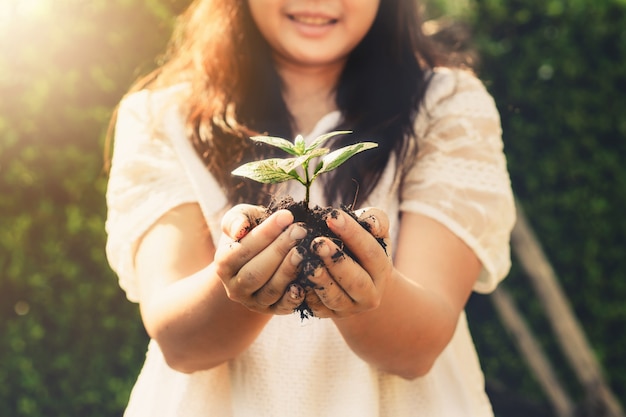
{"points": [[299, 367]]}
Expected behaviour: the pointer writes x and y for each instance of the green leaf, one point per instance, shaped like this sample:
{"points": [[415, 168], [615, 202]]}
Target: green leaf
{"points": [[290, 164], [267, 171], [299, 145], [276, 170], [281, 143], [341, 155], [323, 138]]}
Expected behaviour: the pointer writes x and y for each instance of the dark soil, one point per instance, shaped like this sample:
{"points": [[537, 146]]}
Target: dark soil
{"points": [[314, 220]]}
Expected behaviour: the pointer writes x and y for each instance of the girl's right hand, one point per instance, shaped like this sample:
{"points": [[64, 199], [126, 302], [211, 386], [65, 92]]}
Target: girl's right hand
{"points": [[257, 259]]}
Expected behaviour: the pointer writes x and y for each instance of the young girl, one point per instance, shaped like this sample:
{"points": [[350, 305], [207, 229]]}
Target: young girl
{"points": [[389, 336]]}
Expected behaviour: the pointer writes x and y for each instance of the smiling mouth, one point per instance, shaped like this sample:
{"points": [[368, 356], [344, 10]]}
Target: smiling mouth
{"points": [[313, 20]]}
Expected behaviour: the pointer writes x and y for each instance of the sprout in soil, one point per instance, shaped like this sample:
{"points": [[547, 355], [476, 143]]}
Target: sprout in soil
{"points": [[276, 170], [298, 168]]}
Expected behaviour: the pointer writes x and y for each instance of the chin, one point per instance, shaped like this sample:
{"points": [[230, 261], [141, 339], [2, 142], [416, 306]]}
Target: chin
{"points": [[317, 60]]}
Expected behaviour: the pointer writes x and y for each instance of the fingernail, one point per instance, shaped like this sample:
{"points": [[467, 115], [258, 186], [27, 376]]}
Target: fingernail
{"points": [[239, 228], [295, 292], [337, 218], [317, 272], [296, 257], [320, 247], [284, 218], [297, 232], [373, 224]]}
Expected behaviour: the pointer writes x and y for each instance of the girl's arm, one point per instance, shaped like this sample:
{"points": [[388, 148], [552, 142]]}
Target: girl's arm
{"points": [[183, 301], [400, 317]]}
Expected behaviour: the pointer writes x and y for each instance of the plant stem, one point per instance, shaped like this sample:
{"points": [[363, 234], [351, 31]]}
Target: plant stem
{"points": [[307, 182]]}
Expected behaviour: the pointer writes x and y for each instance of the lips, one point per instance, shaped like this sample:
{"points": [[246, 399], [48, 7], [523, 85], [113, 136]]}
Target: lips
{"points": [[312, 20]]}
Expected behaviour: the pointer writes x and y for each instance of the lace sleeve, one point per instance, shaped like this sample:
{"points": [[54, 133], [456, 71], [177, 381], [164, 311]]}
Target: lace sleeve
{"points": [[146, 180], [460, 177]]}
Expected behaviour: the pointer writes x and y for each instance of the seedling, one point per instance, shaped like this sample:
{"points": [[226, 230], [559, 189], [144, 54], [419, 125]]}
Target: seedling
{"points": [[299, 168], [276, 170]]}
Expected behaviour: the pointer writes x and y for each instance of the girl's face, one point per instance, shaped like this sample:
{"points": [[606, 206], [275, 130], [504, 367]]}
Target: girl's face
{"points": [[313, 32]]}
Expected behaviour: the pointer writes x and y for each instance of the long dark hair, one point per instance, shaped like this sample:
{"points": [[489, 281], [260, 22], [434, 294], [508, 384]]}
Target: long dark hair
{"points": [[236, 92]]}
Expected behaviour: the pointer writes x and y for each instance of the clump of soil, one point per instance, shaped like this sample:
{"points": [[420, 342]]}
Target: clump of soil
{"points": [[315, 224]]}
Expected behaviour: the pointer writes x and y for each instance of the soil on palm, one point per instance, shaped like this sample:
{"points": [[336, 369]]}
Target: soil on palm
{"points": [[314, 220]]}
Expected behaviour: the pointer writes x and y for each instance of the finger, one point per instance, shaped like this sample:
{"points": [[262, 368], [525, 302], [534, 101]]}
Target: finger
{"points": [[374, 220], [315, 306], [257, 272], [242, 218], [346, 272], [274, 289], [372, 253], [329, 292], [290, 300], [231, 256]]}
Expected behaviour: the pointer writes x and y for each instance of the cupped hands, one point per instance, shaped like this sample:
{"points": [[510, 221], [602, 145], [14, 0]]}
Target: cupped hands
{"points": [[258, 259]]}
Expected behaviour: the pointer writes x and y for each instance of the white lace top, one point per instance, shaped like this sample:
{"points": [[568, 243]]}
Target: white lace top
{"points": [[304, 368]]}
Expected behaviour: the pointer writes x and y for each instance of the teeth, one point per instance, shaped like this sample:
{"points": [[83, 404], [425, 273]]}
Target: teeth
{"points": [[312, 20]]}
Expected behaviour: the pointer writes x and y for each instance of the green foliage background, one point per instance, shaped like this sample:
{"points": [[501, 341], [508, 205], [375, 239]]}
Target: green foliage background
{"points": [[557, 70], [70, 343]]}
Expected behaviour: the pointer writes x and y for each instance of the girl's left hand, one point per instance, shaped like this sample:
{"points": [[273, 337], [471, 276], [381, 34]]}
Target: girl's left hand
{"points": [[344, 285]]}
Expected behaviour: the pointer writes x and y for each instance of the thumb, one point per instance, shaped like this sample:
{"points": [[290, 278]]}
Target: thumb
{"points": [[239, 220]]}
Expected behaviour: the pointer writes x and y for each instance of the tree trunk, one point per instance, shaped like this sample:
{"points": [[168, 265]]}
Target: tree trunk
{"points": [[568, 331], [532, 352]]}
